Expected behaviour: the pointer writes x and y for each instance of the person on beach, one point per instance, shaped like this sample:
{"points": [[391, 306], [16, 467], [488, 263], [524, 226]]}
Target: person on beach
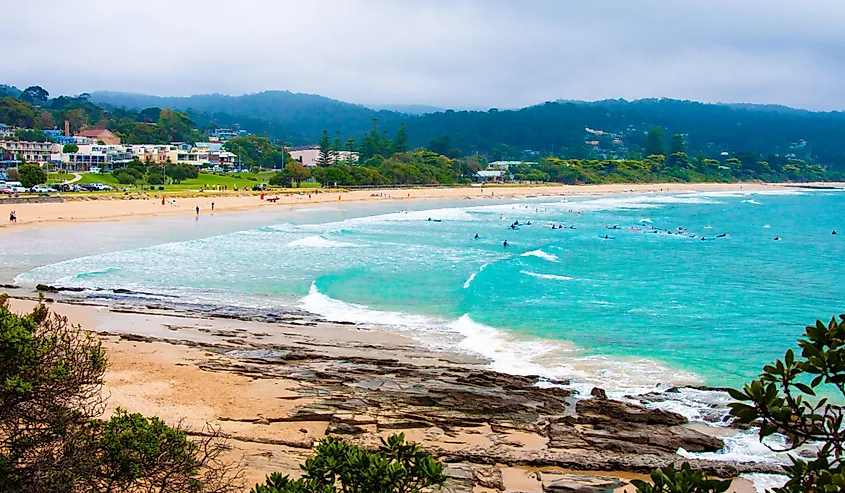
{"points": [[198, 210], [162, 201], [13, 217]]}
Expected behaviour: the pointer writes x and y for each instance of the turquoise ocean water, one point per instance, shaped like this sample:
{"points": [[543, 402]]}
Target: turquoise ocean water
{"points": [[636, 310]]}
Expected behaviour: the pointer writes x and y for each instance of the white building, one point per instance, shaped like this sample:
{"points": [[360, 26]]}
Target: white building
{"points": [[94, 155], [310, 155], [31, 152]]}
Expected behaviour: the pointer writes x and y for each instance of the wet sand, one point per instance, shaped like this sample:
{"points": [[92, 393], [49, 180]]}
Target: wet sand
{"points": [[115, 208]]}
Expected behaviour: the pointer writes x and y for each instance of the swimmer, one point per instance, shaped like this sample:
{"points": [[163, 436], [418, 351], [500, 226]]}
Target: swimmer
{"points": [[476, 236], [834, 232], [723, 235], [776, 238], [554, 227], [505, 244]]}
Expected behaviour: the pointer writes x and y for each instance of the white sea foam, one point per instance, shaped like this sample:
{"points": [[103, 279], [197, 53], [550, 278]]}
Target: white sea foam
{"points": [[745, 446], [541, 254], [507, 353], [552, 277], [319, 242], [751, 201], [765, 482], [472, 276], [645, 220]]}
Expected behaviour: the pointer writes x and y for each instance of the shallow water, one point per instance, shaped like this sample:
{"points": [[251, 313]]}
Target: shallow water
{"points": [[638, 311]]}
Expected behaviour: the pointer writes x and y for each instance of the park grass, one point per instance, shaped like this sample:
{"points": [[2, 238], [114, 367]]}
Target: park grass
{"points": [[206, 181]]}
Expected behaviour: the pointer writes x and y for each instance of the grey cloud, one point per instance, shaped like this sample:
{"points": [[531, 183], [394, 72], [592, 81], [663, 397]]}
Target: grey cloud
{"points": [[459, 53]]}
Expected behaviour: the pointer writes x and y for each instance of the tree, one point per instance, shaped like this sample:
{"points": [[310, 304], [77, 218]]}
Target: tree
{"points": [[51, 439], [351, 145], [35, 95], [70, 148], [677, 144], [31, 175], [794, 397], [337, 145], [400, 141], [52, 374], [45, 120], [655, 142], [397, 467], [297, 172], [180, 172], [325, 146]]}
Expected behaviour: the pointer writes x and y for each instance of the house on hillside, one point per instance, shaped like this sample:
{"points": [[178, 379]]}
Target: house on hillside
{"points": [[95, 135]]}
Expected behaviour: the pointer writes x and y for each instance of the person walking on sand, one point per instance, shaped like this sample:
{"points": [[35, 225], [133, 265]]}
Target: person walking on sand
{"points": [[212, 206], [198, 210], [13, 217], [162, 200]]}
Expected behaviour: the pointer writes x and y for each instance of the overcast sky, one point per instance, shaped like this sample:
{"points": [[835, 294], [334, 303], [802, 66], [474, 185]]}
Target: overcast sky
{"points": [[448, 53]]}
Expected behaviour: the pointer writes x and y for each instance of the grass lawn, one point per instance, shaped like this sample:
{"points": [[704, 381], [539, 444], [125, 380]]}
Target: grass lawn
{"points": [[206, 181]]}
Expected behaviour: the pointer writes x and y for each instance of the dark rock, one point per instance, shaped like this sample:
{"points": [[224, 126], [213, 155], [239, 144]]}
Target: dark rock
{"points": [[344, 429], [606, 410], [598, 393]]}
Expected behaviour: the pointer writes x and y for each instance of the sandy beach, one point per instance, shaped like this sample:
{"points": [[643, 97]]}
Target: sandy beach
{"points": [[115, 208]]}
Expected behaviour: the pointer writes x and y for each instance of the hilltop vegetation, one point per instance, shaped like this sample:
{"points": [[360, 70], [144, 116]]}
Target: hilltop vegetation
{"points": [[552, 128], [569, 142]]}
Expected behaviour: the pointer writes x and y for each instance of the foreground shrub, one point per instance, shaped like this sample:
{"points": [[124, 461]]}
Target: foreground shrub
{"points": [[397, 467], [799, 397], [51, 377]]}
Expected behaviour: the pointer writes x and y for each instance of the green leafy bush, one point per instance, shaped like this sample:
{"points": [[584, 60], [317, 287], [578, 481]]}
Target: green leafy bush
{"points": [[31, 175], [397, 467], [684, 480], [801, 398], [51, 439]]}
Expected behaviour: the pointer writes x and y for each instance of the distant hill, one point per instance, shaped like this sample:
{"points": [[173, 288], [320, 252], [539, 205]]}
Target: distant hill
{"points": [[408, 109], [552, 127], [299, 118]]}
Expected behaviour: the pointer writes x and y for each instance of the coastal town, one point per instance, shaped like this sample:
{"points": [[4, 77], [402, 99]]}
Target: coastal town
{"points": [[100, 149]]}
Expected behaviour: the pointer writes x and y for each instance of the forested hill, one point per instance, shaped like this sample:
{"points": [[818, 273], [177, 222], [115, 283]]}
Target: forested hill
{"points": [[559, 128], [293, 117], [618, 127]]}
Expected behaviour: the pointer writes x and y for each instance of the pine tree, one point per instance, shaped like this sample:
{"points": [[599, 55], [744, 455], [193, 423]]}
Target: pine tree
{"points": [[325, 145], [400, 142]]}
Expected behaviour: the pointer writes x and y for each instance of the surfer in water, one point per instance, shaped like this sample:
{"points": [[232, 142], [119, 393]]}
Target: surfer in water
{"points": [[723, 235], [776, 238], [505, 244], [476, 236], [834, 232]]}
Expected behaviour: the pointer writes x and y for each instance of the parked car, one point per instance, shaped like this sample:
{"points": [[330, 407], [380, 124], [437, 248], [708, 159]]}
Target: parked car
{"points": [[41, 189], [88, 187]]}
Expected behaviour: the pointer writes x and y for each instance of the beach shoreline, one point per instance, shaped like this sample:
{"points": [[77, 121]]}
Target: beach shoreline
{"points": [[97, 209], [275, 389]]}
